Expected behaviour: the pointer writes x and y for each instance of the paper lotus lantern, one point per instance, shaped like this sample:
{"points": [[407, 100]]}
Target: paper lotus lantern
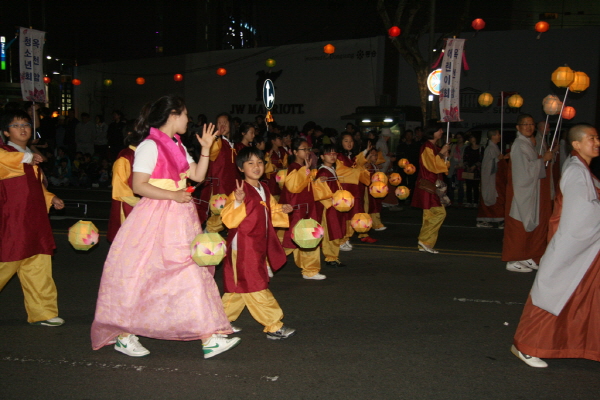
{"points": [[478, 24], [515, 101], [107, 82], [217, 202], [378, 190], [76, 82], [402, 192], [394, 31], [177, 77], [485, 99], [221, 71], [552, 104], [270, 63], [307, 233], [140, 81], [83, 235], [403, 162], [280, 177], [395, 179], [410, 169], [208, 249], [361, 222], [379, 177], [47, 80], [563, 76], [569, 112], [580, 82], [329, 49], [542, 27], [342, 200]]}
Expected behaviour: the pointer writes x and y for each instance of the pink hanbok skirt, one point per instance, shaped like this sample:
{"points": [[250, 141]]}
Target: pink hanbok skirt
{"points": [[151, 286]]}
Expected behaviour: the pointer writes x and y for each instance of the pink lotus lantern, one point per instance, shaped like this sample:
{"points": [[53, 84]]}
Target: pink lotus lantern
{"points": [[378, 190], [83, 235], [307, 233], [395, 179], [208, 249], [217, 202], [343, 200], [361, 222], [402, 192], [379, 177], [403, 162]]}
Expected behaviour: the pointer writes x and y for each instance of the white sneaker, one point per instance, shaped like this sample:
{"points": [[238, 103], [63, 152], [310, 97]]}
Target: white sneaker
{"points": [[529, 360], [500, 225], [235, 329], [218, 344], [317, 277], [130, 345], [346, 246], [483, 224], [516, 266], [530, 264], [383, 228], [424, 247], [56, 321], [269, 271]]}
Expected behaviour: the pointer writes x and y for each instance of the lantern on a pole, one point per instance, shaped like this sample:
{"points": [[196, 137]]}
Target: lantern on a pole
{"points": [[140, 81], [221, 71], [47, 80], [581, 81], [108, 82], [515, 101], [177, 77], [270, 63], [569, 112], [563, 76], [485, 99], [551, 104], [541, 27], [76, 82]]}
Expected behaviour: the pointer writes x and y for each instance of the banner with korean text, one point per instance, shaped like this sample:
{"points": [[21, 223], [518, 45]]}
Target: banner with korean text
{"points": [[450, 80], [31, 48]]}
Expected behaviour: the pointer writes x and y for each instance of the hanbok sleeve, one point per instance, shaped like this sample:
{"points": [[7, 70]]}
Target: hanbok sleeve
{"points": [[231, 215], [278, 217], [269, 166], [284, 162], [47, 195], [365, 176], [321, 190], [297, 180], [433, 163], [347, 174], [120, 188], [11, 164], [215, 149]]}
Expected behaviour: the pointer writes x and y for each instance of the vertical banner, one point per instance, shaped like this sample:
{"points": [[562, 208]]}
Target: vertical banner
{"points": [[450, 81], [31, 47]]}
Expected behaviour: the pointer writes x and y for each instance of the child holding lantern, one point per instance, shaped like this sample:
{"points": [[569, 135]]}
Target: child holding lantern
{"points": [[373, 205], [250, 215], [150, 284]]}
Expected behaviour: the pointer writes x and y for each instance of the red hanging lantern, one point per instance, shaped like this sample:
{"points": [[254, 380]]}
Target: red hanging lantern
{"points": [[47, 80], [76, 82], [140, 81], [329, 49], [394, 31], [221, 71], [542, 26], [177, 77], [568, 112], [478, 24]]}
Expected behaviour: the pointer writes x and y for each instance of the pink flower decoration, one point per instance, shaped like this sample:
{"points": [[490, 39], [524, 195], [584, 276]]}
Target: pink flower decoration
{"points": [[318, 232], [91, 238]]}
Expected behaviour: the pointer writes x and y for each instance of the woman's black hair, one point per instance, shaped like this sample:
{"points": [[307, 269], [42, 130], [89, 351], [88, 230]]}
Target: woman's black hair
{"points": [[295, 146], [129, 137], [246, 154], [340, 144], [271, 137], [432, 127], [244, 128], [324, 149], [155, 115], [258, 139]]}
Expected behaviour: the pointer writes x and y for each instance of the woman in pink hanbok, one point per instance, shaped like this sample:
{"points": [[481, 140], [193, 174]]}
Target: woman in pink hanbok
{"points": [[150, 285]]}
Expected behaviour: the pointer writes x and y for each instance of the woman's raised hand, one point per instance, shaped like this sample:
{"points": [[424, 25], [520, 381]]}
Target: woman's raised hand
{"points": [[208, 135]]}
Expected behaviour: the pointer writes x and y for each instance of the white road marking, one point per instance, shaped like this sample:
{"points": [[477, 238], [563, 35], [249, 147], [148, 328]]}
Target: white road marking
{"points": [[509, 303]]}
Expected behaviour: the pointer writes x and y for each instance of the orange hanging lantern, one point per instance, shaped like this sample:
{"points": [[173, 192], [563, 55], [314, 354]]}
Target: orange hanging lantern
{"points": [[515, 101], [402, 192], [552, 104], [478, 24], [208, 249], [107, 82], [47, 80], [378, 190], [563, 76], [329, 49], [221, 71], [270, 63], [177, 77], [379, 177], [217, 202], [569, 112], [140, 81], [410, 169], [307, 233], [580, 82], [394, 31], [83, 235], [395, 179], [485, 99], [280, 177], [342, 200], [403, 162], [542, 27], [361, 222], [76, 82]]}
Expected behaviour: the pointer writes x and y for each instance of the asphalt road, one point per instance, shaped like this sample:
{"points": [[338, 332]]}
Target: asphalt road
{"points": [[394, 324]]}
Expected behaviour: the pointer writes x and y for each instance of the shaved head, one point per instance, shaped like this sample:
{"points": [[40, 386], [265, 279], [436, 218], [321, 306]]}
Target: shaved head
{"points": [[578, 132]]}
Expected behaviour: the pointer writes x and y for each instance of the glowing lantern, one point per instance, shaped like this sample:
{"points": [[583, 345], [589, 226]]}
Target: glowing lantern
{"points": [[342, 200], [478, 24], [580, 82], [542, 26], [270, 63], [568, 112], [378, 190], [208, 249], [403, 162], [140, 81], [551, 104], [329, 49], [410, 169], [177, 77], [515, 101], [307, 233], [107, 82], [47, 80], [563, 76], [402, 192], [83, 235], [394, 31], [485, 99], [221, 71], [217, 202], [395, 179], [361, 222], [76, 82], [280, 177], [55, 114], [379, 177]]}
